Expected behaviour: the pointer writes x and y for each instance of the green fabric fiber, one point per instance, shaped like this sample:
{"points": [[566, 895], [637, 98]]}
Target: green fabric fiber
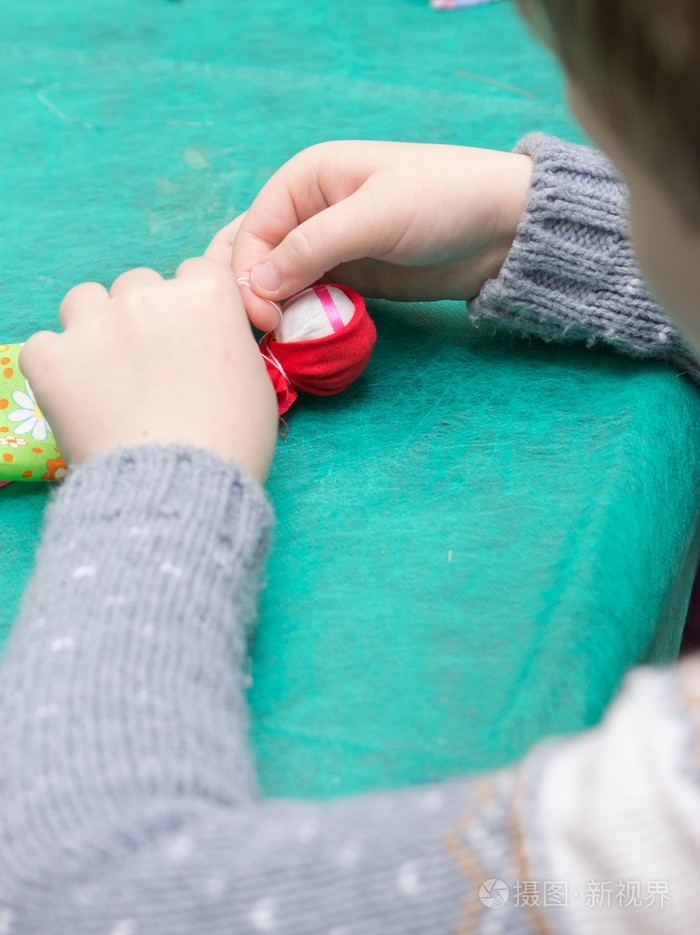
{"points": [[482, 535]]}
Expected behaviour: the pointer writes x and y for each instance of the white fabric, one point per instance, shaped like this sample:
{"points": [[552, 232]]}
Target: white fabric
{"points": [[620, 806], [304, 318]]}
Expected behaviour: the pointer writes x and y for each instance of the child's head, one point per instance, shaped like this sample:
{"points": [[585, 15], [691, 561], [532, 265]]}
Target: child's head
{"points": [[634, 83]]}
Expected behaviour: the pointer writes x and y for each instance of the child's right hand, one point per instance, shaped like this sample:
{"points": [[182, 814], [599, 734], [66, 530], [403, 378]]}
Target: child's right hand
{"points": [[403, 221]]}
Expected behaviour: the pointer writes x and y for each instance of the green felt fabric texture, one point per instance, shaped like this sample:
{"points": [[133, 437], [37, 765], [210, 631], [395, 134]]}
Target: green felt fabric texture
{"points": [[479, 538]]}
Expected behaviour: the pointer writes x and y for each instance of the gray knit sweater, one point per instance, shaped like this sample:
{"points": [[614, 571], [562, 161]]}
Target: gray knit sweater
{"points": [[128, 797], [571, 275]]}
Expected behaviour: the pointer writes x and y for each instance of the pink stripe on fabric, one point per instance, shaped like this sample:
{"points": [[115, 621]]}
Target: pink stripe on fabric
{"points": [[332, 313]]}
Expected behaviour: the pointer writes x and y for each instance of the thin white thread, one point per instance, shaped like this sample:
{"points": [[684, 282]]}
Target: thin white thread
{"points": [[244, 281], [273, 360]]}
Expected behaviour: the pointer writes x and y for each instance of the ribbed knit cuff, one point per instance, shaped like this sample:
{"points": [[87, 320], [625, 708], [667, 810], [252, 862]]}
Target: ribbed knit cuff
{"points": [[131, 471], [571, 275]]}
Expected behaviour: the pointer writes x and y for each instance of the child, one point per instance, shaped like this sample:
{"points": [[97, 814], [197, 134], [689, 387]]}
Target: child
{"points": [[129, 802]]}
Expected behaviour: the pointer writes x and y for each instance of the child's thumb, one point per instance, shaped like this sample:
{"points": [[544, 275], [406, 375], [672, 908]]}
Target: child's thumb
{"points": [[334, 236]]}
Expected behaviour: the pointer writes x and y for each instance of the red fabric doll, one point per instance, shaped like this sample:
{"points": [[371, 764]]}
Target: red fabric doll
{"points": [[322, 344]]}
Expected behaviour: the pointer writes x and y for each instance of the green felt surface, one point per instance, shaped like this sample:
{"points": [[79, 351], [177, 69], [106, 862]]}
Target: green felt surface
{"points": [[482, 535]]}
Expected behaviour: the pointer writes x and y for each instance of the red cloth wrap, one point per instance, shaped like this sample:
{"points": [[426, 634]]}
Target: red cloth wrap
{"points": [[325, 365]]}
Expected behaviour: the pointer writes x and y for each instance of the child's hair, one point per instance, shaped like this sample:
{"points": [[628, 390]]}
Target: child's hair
{"points": [[638, 63]]}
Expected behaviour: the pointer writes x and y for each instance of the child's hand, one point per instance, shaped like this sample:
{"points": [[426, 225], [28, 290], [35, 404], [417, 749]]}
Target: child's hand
{"points": [[156, 360], [405, 221]]}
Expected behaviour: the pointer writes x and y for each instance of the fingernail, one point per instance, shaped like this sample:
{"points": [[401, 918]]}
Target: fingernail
{"points": [[243, 281], [266, 277]]}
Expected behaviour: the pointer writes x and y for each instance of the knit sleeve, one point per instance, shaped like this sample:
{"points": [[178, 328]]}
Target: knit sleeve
{"points": [[571, 275], [128, 791]]}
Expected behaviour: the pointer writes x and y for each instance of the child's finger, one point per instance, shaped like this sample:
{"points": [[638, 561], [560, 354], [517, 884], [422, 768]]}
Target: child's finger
{"points": [[342, 232], [137, 278], [271, 217], [204, 267], [35, 356], [263, 313], [81, 299], [221, 246]]}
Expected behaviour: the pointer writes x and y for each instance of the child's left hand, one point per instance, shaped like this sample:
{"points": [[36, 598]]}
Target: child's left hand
{"points": [[156, 360]]}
